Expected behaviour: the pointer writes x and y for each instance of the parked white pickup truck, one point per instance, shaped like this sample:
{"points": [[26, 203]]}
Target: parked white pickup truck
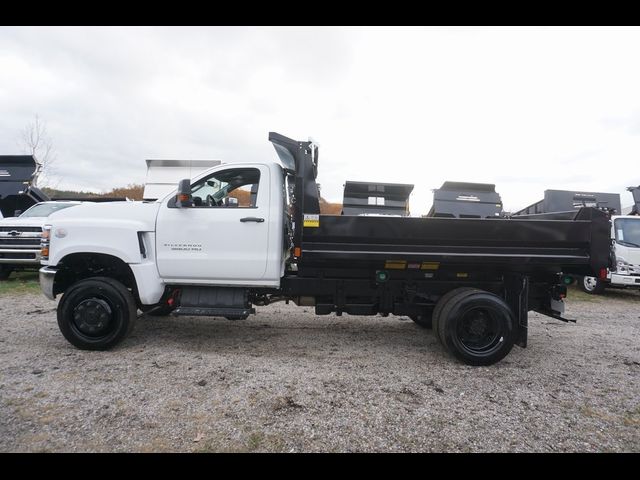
{"points": [[20, 237]]}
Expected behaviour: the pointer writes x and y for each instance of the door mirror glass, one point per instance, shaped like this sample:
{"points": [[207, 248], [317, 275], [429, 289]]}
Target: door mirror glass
{"points": [[17, 213], [231, 202]]}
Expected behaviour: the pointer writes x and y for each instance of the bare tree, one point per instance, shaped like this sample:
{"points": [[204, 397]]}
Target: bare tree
{"points": [[34, 140]]}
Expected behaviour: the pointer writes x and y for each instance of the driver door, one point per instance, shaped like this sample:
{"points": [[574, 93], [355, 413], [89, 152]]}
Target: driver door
{"points": [[217, 241]]}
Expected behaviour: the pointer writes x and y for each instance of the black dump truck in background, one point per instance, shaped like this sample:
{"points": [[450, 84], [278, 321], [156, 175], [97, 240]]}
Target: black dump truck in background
{"points": [[570, 200], [374, 198], [466, 200], [17, 193]]}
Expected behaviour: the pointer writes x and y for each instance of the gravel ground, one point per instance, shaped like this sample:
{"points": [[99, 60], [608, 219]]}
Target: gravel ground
{"points": [[286, 380]]}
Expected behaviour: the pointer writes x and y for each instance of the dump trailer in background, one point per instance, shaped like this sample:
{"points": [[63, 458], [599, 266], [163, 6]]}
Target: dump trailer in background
{"points": [[625, 233], [568, 200], [17, 190], [371, 198], [466, 200]]}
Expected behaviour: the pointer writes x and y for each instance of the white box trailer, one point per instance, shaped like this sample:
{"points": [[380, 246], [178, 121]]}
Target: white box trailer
{"points": [[163, 175]]}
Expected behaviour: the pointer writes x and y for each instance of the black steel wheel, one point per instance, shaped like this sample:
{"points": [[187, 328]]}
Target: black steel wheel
{"points": [[440, 305], [592, 285], [477, 327], [96, 313]]}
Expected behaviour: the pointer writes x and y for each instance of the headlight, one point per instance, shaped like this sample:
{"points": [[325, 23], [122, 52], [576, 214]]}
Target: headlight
{"points": [[44, 242], [622, 266]]}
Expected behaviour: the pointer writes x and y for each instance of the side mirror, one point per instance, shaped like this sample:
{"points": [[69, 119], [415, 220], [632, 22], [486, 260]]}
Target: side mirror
{"points": [[232, 202], [17, 213], [183, 198]]}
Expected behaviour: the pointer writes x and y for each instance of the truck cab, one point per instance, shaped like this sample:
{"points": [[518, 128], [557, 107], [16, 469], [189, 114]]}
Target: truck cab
{"points": [[626, 236], [229, 232]]}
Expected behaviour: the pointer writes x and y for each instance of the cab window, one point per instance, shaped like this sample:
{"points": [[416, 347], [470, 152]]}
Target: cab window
{"points": [[234, 187]]}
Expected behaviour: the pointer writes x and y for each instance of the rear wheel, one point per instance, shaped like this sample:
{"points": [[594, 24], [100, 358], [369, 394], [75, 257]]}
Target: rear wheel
{"points": [[477, 327], [96, 313], [592, 285], [442, 302], [5, 272]]}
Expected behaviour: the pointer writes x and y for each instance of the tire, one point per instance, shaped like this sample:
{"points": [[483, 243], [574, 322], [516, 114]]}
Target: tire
{"points": [[96, 313], [477, 327], [441, 303], [591, 285], [5, 272], [424, 319], [156, 311]]}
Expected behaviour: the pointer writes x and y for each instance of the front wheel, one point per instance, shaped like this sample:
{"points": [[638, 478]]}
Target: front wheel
{"points": [[96, 313], [477, 327], [591, 285]]}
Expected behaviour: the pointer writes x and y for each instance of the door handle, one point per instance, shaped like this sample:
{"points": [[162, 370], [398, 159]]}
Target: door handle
{"points": [[252, 219]]}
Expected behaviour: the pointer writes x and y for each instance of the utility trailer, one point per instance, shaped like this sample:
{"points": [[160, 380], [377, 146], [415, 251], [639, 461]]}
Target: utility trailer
{"points": [[466, 200], [375, 198], [624, 271], [473, 280]]}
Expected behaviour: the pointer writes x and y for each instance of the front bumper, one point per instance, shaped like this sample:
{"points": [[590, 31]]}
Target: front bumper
{"points": [[626, 280], [25, 257], [47, 276]]}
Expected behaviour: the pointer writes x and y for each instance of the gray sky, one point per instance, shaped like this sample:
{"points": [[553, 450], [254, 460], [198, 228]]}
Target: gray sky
{"points": [[524, 108]]}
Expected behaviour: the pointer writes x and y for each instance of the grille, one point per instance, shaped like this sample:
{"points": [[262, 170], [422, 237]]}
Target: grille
{"points": [[21, 229], [18, 256], [20, 242]]}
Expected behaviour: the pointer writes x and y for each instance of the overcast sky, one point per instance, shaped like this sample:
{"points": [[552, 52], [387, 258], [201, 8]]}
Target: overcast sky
{"points": [[525, 108]]}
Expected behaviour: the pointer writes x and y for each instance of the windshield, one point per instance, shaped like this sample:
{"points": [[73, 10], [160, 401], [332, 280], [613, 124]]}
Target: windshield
{"points": [[46, 209], [628, 231]]}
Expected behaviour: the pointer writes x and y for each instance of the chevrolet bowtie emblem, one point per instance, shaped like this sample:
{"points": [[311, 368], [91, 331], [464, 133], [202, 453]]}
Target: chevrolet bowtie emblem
{"points": [[14, 233]]}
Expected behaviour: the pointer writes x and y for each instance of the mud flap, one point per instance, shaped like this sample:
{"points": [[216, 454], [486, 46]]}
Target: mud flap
{"points": [[517, 297]]}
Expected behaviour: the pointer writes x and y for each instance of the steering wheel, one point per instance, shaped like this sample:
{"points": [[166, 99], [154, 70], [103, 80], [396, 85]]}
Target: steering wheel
{"points": [[212, 202]]}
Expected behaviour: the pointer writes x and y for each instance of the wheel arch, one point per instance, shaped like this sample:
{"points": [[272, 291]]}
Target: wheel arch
{"points": [[82, 265]]}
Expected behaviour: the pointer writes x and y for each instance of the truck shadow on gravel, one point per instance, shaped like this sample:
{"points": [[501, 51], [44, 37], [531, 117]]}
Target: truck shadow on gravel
{"points": [[295, 337]]}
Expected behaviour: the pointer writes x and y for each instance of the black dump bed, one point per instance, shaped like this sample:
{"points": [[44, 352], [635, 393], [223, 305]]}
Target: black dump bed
{"points": [[571, 200], [575, 242], [466, 200], [375, 198]]}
